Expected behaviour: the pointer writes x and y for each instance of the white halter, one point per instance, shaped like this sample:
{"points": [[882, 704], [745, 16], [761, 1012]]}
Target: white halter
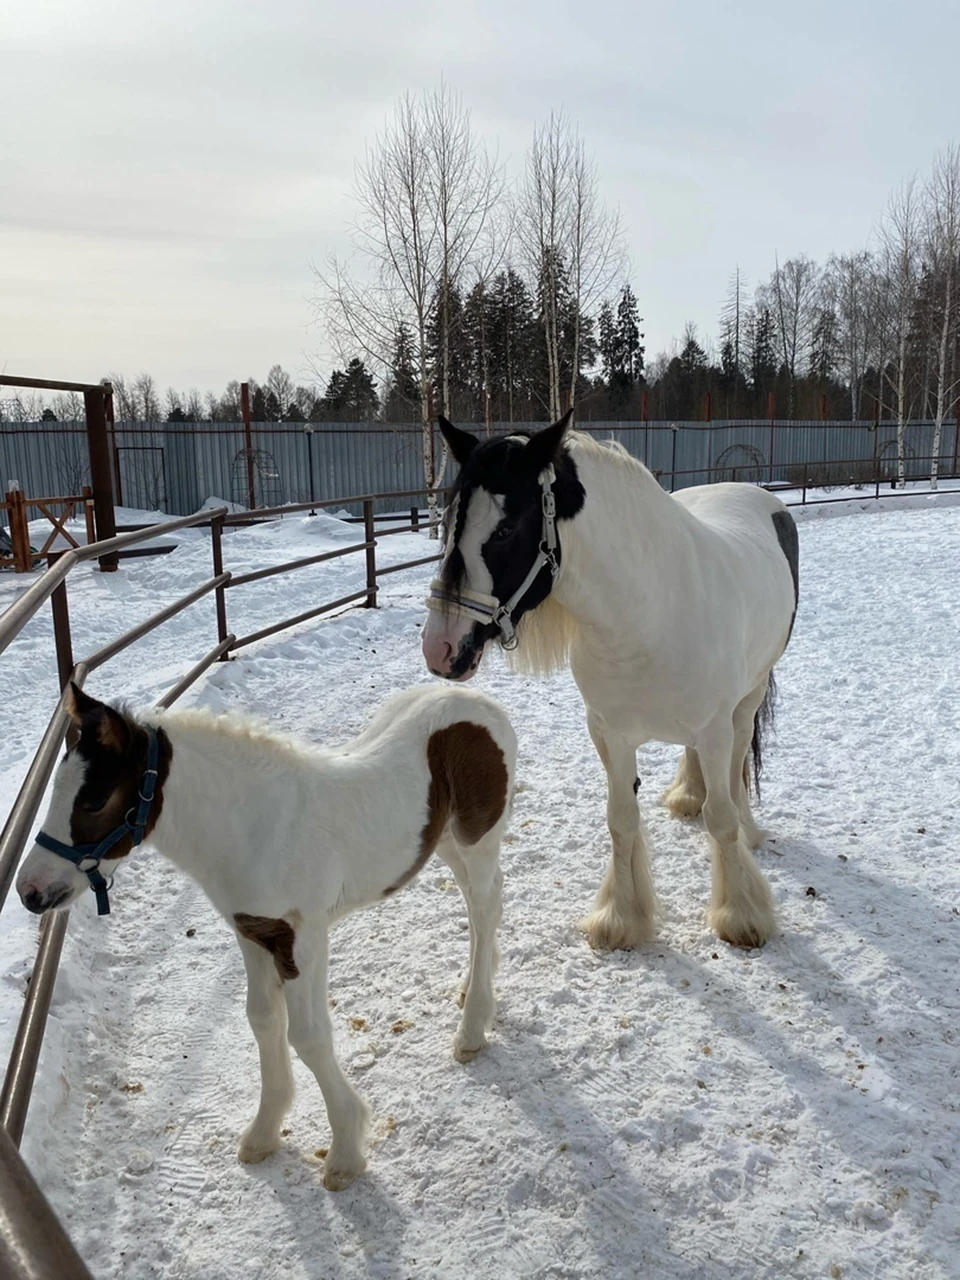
{"points": [[484, 608]]}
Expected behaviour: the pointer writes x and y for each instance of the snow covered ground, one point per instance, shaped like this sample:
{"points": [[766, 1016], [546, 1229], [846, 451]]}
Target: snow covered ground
{"points": [[685, 1110]]}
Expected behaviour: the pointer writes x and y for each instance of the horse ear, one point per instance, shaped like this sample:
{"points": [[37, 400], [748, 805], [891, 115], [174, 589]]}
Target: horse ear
{"points": [[461, 443], [110, 726], [78, 705], [544, 447]]}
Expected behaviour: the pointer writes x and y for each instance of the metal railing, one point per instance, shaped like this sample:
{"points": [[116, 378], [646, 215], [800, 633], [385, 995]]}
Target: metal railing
{"points": [[368, 594], [33, 1243], [867, 477]]}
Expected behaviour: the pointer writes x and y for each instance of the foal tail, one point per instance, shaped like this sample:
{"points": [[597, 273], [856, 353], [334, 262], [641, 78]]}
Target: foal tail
{"points": [[762, 724]]}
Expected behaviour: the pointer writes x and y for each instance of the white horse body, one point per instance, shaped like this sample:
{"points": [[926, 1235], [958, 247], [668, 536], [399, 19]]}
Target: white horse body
{"points": [[285, 838], [647, 576], [672, 610]]}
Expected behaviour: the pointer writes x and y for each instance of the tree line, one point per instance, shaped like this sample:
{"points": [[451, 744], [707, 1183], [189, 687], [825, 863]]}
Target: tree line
{"points": [[491, 300]]}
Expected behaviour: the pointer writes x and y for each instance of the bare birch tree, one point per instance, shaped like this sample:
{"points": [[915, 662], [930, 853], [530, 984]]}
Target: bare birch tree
{"points": [[571, 241], [793, 292], [900, 236], [466, 187], [424, 191], [943, 251], [850, 285]]}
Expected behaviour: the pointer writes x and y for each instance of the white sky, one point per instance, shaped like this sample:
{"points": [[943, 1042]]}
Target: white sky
{"points": [[169, 169]]}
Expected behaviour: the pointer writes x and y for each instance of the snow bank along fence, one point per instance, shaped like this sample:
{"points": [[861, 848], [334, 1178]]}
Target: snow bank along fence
{"points": [[175, 467], [32, 1242]]}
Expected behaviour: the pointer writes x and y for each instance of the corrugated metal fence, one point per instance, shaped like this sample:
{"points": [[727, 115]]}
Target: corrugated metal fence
{"points": [[177, 467]]}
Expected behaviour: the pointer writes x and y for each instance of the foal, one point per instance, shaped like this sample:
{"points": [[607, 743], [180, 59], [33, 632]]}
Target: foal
{"points": [[284, 839]]}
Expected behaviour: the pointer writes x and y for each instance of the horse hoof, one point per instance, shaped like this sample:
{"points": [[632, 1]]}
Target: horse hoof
{"points": [[682, 803], [464, 1053], [730, 927], [606, 930], [336, 1178]]}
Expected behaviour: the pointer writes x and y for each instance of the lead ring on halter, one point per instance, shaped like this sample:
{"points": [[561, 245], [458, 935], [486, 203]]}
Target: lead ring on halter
{"points": [[94, 854], [484, 608]]}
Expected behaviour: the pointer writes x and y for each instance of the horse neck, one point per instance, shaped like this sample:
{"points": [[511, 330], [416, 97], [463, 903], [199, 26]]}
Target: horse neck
{"points": [[618, 549], [224, 779]]}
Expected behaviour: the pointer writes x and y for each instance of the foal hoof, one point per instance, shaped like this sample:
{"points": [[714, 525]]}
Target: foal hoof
{"points": [[254, 1152], [464, 1052]]}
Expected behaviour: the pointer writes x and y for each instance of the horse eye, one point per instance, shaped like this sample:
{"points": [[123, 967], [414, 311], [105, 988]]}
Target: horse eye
{"points": [[504, 531], [92, 806]]}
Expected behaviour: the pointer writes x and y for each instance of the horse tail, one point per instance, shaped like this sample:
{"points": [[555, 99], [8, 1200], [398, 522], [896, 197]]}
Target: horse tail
{"points": [[762, 724]]}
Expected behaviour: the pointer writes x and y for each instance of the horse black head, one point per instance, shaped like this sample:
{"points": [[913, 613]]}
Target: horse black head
{"points": [[500, 561]]}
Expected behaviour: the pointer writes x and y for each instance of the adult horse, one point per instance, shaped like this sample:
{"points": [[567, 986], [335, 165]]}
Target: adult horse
{"points": [[672, 610]]}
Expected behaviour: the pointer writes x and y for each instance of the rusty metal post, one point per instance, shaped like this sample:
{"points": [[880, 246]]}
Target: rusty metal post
{"points": [[216, 539], [88, 514], [369, 537], [248, 443], [708, 408], [95, 407], [33, 1242], [804, 498], [61, 628], [771, 413], [415, 517], [114, 451]]}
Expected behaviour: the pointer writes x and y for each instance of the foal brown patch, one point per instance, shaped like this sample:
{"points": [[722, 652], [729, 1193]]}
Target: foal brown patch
{"points": [[275, 936], [468, 785]]}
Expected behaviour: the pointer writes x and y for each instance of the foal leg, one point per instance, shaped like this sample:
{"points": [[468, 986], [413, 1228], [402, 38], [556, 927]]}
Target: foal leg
{"points": [[311, 1034], [625, 909], [476, 869], [741, 905], [686, 794], [267, 1015]]}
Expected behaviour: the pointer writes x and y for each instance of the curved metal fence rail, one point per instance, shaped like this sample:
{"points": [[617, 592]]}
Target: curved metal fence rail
{"points": [[33, 1243]]}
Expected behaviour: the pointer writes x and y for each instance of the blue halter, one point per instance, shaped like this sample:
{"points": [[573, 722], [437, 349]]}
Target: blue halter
{"points": [[93, 854]]}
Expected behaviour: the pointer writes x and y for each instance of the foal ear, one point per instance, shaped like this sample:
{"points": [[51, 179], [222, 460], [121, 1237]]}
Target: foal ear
{"points": [[110, 727], [461, 443], [544, 447]]}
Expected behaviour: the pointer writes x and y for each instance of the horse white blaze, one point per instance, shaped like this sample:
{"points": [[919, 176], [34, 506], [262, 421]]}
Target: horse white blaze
{"points": [[45, 879], [446, 630]]}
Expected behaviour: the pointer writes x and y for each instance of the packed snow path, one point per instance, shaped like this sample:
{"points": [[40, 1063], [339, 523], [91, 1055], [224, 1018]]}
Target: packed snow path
{"points": [[685, 1110]]}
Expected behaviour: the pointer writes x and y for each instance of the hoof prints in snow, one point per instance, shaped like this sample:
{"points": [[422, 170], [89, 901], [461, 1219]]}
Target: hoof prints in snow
{"points": [[686, 1110]]}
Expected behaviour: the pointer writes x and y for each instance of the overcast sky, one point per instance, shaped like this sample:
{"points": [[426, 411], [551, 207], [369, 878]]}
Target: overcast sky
{"points": [[170, 169]]}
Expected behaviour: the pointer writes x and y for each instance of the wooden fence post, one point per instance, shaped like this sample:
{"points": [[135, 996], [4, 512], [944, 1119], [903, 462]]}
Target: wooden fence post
{"points": [[19, 530]]}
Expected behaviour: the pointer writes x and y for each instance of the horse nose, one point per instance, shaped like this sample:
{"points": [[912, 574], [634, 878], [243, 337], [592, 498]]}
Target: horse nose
{"points": [[33, 900], [438, 652]]}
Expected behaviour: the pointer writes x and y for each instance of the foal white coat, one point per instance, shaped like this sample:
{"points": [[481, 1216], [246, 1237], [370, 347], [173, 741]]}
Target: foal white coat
{"points": [[672, 610], [284, 839]]}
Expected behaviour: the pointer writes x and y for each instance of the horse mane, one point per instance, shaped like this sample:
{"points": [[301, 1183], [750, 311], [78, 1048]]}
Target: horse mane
{"points": [[546, 633], [544, 637], [606, 450], [236, 727]]}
